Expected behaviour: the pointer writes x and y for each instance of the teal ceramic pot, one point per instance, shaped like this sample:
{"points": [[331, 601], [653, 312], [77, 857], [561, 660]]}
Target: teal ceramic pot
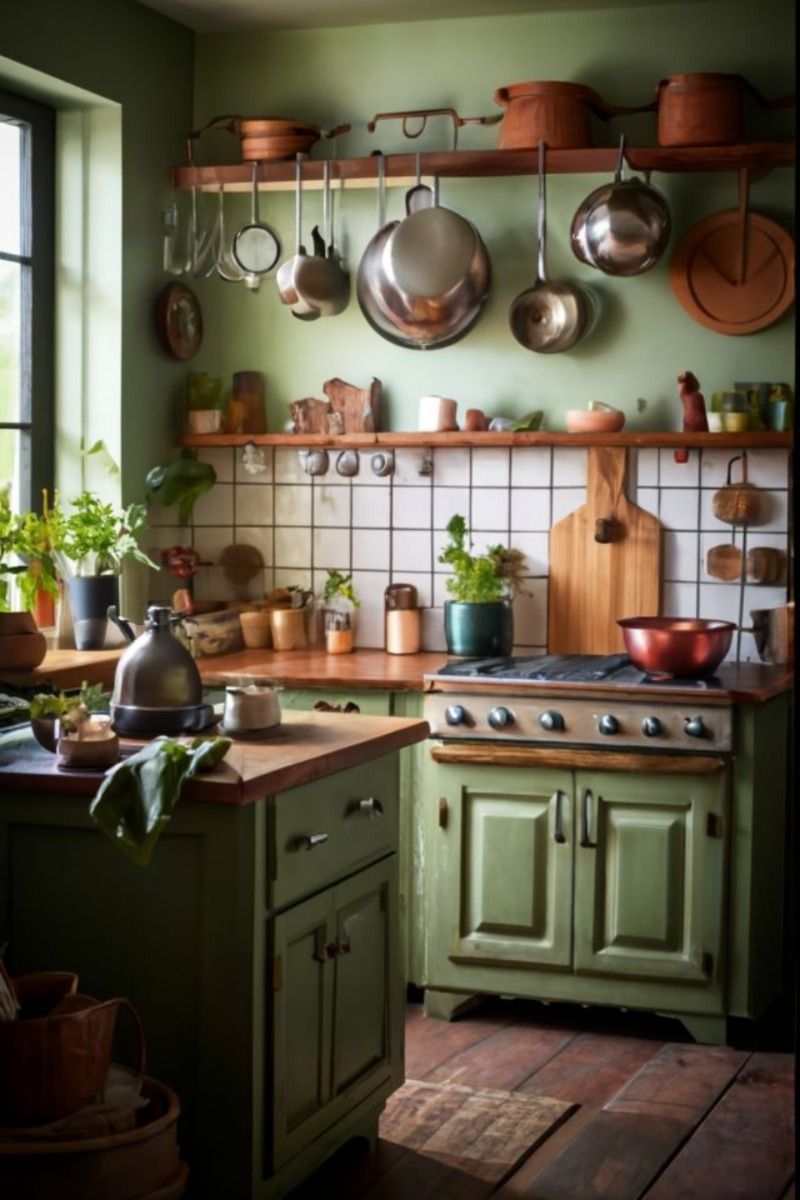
{"points": [[479, 630]]}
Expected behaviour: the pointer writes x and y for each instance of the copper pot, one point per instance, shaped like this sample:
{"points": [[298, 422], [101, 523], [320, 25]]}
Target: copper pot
{"points": [[679, 646]]}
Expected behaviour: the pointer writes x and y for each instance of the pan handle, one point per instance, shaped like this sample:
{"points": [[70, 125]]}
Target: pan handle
{"points": [[229, 122], [422, 115], [739, 457]]}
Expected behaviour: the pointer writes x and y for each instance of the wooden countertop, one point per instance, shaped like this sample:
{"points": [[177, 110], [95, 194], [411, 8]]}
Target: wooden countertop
{"points": [[369, 669], [67, 669], [308, 746]]}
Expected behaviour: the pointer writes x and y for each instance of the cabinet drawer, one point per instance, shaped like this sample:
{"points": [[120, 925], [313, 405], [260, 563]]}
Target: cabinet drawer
{"points": [[328, 829], [376, 704]]}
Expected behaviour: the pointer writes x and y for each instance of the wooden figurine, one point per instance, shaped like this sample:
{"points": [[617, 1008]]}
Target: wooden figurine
{"points": [[359, 407], [694, 410], [310, 415], [475, 420]]}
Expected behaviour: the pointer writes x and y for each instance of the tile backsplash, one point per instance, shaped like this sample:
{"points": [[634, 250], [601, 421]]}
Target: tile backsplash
{"points": [[392, 528]]}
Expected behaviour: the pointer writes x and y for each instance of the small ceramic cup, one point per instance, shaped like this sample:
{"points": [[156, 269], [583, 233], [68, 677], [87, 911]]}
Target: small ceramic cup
{"points": [[714, 420], [437, 413], [735, 422], [256, 633], [250, 708]]}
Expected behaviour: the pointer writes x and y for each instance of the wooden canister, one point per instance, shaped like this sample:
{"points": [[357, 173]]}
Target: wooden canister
{"points": [[703, 109], [553, 112], [246, 406]]}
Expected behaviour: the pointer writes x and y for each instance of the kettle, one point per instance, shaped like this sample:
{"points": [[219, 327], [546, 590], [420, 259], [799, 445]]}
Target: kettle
{"points": [[157, 686]]}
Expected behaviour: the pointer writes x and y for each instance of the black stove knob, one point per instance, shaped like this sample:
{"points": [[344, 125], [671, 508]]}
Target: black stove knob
{"points": [[608, 724], [695, 727], [652, 727], [552, 721], [500, 717], [455, 714]]}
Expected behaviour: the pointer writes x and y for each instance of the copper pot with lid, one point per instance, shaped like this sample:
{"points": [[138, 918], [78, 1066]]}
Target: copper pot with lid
{"points": [[402, 619]]}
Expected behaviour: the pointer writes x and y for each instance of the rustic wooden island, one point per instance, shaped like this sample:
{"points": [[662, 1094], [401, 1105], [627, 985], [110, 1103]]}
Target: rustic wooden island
{"points": [[261, 946]]}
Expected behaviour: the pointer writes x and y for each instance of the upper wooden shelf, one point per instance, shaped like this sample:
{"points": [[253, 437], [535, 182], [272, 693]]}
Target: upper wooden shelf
{"points": [[364, 441], [401, 168]]}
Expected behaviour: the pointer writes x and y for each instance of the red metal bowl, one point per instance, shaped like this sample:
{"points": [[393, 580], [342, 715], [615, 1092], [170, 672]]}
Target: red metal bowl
{"points": [[681, 646]]}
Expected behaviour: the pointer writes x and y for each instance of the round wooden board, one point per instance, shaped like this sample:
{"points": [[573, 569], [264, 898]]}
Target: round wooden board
{"points": [[704, 267], [179, 321]]}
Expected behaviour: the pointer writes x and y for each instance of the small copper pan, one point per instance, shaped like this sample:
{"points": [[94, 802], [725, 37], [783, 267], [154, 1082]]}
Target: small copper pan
{"points": [[677, 646]]}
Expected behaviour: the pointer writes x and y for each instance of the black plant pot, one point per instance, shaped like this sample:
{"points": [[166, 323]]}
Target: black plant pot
{"points": [[89, 597], [479, 630]]}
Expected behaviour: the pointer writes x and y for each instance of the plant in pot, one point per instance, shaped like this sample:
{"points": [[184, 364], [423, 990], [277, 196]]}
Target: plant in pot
{"points": [[479, 619], [47, 709], [22, 646], [38, 583], [339, 602], [90, 546]]}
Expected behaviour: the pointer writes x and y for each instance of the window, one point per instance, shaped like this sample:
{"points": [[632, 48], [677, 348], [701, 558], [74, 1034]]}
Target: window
{"points": [[26, 298]]}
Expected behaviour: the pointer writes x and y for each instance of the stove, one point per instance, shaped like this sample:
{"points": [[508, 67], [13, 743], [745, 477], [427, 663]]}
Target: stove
{"points": [[577, 700]]}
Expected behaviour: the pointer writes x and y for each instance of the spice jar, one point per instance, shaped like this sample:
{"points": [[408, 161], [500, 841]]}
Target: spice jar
{"points": [[339, 632], [246, 405], [402, 619]]}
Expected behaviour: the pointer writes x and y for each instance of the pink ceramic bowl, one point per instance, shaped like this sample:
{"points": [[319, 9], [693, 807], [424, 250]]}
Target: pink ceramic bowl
{"points": [[586, 420]]}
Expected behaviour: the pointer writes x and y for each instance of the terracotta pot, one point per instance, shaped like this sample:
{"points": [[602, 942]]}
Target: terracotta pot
{"points": [[12, 623], [703, 109], [22, 651]]}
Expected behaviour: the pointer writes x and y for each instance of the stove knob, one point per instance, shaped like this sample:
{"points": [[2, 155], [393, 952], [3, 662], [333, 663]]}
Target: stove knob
{"points": [[455, 714], [652, 727], [608, 724], [695, 727], [500, 717], [552, 721]]}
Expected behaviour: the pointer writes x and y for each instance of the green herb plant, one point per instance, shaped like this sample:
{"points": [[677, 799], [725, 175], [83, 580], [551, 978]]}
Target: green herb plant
{"points": [[91, 697], [26, 537], [181, 483], [480, 578], [96, 538], [339, 587]]}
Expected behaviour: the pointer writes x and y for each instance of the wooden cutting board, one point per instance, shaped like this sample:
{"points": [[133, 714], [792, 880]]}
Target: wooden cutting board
{"points": [[593, 583]]}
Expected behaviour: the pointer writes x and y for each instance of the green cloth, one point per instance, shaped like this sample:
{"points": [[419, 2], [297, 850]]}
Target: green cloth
{"points": [[138, 796]]}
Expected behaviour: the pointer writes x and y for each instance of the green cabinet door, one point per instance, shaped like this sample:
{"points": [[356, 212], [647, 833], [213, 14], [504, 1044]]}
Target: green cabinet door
{"points": [[504, 866], [650, 876]]}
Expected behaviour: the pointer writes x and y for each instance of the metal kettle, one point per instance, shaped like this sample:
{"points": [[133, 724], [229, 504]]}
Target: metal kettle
{"points": [[157, 686]]}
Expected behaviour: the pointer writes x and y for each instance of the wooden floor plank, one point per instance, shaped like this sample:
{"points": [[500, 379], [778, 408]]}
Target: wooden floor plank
{"points": [[592, 1068], [750, 1131], [613, 1157], [681, 1082], [418, 1177], [505, 1059], [351, 1171], [430, 1042]]}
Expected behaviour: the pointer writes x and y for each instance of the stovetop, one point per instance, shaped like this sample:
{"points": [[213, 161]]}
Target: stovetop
{"points": [[610, 669]]}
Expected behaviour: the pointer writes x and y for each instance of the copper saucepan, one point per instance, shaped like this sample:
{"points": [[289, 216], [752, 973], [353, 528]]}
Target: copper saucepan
{"points": [[678, 646]]}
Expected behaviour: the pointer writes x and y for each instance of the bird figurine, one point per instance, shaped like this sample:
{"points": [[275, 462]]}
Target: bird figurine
{"points": [[694, 410]]}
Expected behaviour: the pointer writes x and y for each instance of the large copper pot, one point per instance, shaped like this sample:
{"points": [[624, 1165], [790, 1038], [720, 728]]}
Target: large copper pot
{"points": [[681, 646]]}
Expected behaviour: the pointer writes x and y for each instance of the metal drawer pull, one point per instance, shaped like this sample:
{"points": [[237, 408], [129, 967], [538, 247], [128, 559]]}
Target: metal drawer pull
{"points": [[370, 807], [324, 950], [585, 839], [307, 841], [558, 831], [344, 947]]}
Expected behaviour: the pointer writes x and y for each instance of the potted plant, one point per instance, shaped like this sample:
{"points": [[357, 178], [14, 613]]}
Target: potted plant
{"points": [[38, 582], [339, 602], [90, 545], [479, 619], [22, 647], [46, 710]]}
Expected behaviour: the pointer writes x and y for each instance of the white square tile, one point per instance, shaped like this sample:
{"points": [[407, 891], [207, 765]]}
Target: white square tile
{"points": [[210, 541], [714, 467], [293, 576], [569, 467], [411, 549], [451, 467], [719, 602], [678, 508], [675, 475], [490, 508], [535, 547], [768, 468], [332, 548], [369, 587], [433, 629], [266, 455], [253, 504], [679, 600], [288, 467], [647, 498], [331, 506], [258, 536], [530, 613], [371, 506], [565, 501], [530, 466], [411, 508], [407, 464], [422, 581], [647, 468], [681, 555], [221, 459], [449, 502], [292, 548], [214, 507], [491, 466], [292, 505], [530, 508], [370, 550]]}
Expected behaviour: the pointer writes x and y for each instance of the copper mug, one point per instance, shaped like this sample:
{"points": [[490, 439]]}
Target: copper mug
{"points": [[289, 628]]}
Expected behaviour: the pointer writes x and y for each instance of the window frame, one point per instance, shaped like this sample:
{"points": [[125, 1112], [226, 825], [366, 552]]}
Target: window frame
{"points": [[36, 421]]}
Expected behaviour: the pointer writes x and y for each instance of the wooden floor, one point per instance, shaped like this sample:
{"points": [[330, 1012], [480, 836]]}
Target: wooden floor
{"points": [[645, 1113]]}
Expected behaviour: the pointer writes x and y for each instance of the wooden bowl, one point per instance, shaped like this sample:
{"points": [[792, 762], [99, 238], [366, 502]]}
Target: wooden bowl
{"points": [[265, 149], [22, 651], [585, 420]]}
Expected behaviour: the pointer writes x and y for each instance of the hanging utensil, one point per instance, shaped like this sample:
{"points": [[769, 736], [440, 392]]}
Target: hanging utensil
{"points": [[288, 271], [201, 242], [256, 247], [550, 317], [737, 503], [623, 227], [226, 265], [724, 562], [320, 280]]}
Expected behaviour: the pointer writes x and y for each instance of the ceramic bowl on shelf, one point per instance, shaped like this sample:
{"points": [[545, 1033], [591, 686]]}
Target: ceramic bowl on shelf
{"points": [[594, 420]]}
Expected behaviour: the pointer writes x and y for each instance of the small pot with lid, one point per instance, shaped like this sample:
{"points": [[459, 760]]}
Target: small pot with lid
{"points": [[403, 619]]}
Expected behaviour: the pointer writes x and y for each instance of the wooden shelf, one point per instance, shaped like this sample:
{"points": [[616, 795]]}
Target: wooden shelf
{"points": [[476, 164], [366, 441]]}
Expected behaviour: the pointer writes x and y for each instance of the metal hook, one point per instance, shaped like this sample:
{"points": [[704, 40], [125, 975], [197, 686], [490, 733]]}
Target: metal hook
{"points": [[621, 160]]}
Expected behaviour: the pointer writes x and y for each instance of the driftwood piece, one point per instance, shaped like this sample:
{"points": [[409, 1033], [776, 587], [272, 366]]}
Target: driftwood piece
{"points": [[359, 408], [310, 415]]}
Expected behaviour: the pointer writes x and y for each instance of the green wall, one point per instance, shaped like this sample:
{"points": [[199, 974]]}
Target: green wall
{"points": [[349, 74], [128, 54]]}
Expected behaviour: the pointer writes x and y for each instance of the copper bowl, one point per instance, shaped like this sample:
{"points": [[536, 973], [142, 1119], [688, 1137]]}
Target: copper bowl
{"points": [[677, 646]]}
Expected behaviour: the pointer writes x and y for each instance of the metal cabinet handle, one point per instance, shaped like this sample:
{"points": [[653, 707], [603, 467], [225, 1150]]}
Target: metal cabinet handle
{"points": [[370, 807], [323, 951], [307, 841], [344, 947], [558, 830], [585, 839]]}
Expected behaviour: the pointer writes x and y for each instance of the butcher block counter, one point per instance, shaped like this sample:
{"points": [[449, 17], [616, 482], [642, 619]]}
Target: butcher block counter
{"points": [[261, 946]]}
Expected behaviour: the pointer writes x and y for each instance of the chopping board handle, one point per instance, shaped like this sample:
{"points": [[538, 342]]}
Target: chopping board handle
{"points": [[606, 471]]}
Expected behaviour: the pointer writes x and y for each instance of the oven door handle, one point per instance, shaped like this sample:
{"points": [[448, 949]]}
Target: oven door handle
{"points": [[585, 838], [558, 823]]}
